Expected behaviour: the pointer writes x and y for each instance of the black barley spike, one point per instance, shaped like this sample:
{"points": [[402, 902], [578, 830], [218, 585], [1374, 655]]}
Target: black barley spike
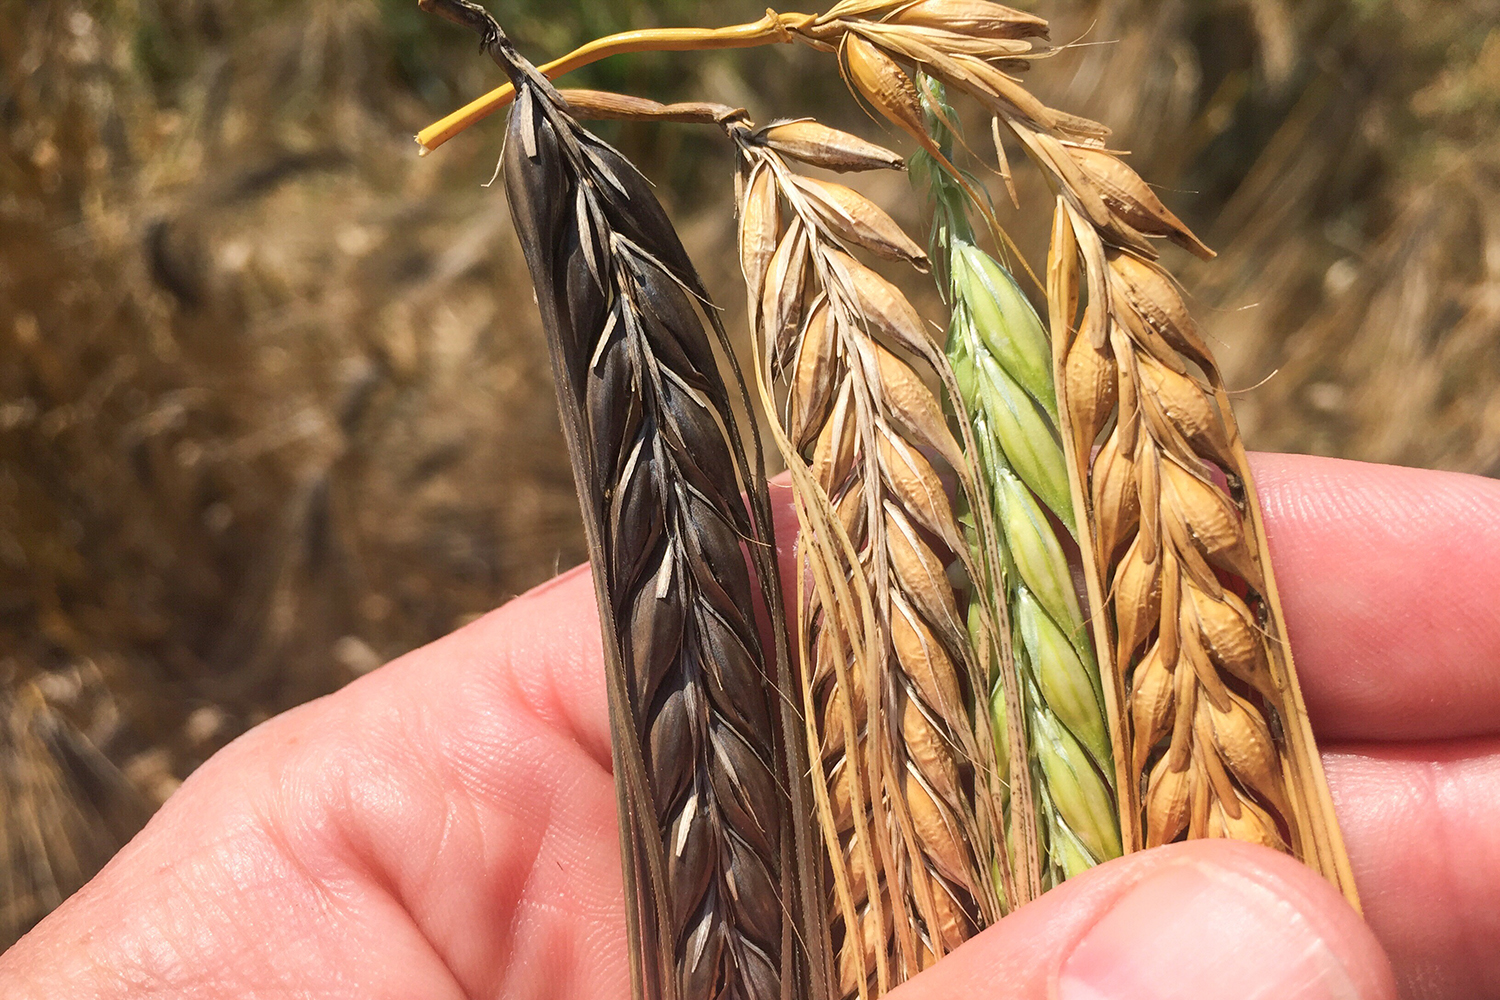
{"points": [[712, 847]]}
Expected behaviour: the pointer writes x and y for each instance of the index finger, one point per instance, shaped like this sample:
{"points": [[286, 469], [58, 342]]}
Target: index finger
{"points": [[1390, 579]]}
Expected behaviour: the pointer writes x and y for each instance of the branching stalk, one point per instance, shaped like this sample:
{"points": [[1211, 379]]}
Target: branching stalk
{"points": [[771, 29]]}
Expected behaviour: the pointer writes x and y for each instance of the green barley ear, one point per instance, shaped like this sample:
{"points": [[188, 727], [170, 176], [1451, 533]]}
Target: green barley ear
{"points": [[1002, 360]]}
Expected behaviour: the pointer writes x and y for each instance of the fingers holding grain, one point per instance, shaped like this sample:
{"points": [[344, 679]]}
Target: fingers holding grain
{"points": [[1192, 920], [1422, 822], [1391, 584]]}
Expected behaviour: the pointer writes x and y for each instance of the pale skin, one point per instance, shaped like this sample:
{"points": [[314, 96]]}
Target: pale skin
{"points": [[444, 828]]}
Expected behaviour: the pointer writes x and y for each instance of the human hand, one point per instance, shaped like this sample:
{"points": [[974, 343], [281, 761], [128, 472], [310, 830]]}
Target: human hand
{"points": [[445, 827]]}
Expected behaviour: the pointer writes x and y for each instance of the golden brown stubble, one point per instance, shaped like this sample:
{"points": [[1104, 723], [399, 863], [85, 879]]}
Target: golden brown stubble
{"points": [[888, 675]]}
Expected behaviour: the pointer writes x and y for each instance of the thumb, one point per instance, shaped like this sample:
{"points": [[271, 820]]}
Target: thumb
{"points": [[1206, 920]]}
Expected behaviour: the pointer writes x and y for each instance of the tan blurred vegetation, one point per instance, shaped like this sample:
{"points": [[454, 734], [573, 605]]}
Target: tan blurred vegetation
{"points": [[274, 406]]}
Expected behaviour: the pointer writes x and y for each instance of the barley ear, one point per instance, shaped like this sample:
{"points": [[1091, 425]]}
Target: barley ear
{"points": [[902, 765], [1211, 733], [1002, 356], [712, 848]]}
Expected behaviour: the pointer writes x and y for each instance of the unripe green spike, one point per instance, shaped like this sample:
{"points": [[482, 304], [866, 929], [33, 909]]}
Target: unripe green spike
{"points": [[1002, 357]]}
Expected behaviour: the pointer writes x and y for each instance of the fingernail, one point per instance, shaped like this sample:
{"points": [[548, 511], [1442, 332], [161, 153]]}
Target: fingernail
{"points": [[1194, 931]]}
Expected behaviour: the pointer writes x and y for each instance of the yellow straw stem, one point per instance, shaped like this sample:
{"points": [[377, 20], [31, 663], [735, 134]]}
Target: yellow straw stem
{"points": [[772, 28]]}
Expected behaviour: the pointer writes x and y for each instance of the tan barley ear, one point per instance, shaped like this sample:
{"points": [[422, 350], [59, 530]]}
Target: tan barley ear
{"points": [[888, 676]]}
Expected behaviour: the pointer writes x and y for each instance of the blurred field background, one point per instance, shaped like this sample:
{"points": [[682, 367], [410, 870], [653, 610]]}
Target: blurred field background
{"points": [[274, 404]]}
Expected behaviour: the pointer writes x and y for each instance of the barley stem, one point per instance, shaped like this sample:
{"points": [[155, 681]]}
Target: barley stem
{"points": [[768, 30]]}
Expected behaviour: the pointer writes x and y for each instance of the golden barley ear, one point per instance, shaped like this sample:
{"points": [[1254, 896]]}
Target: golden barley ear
{"points": [[1211, 734], [707, 780], [902, 766]]}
